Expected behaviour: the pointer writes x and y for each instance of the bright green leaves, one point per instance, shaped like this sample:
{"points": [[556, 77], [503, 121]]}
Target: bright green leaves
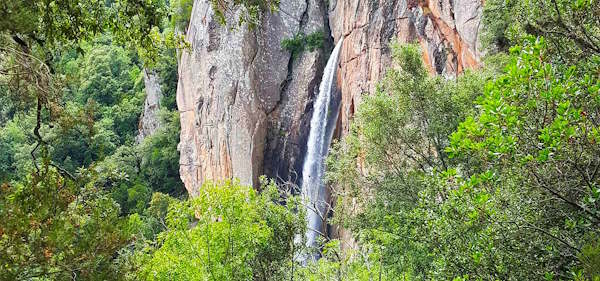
{"points": [[227, 232], [533, 94], [217, 246]]}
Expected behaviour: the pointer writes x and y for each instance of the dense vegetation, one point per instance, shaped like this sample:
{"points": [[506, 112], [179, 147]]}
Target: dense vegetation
{"points": [[493, 175], [504, 188]]}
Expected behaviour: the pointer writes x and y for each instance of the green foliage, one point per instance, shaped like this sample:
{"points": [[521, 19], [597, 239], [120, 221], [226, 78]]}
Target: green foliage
{"points": [[181, 11], [133, 172], [78, 140], [301, 42], [76, 192], [361, 264], [159, 165], [590, 259], [537, 129], [504, 189], [131, 199], [14, 151], [570, 27], [227, 232], [105, 74], [47, 233], [399, 137], [490, 176], [54, 23], [166, 67], [252, 11]]}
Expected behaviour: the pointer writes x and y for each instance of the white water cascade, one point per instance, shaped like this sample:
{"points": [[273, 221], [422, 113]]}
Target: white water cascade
{"points": [[322, 123]]}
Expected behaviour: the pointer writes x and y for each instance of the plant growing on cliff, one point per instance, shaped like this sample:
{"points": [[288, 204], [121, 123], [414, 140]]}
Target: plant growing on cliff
{"points": [[301, 42], [251, 12]]}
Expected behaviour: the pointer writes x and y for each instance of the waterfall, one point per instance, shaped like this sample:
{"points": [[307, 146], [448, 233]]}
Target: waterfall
{"points": [[322, 125]]}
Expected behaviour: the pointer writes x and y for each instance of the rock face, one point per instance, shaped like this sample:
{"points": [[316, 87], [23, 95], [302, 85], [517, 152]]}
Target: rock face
{"points": [[242, 98], [149, 121], [447, 31], [245, 103]]}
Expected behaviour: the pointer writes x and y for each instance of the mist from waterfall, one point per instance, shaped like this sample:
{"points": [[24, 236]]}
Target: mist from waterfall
{"points": [[322, 125]]}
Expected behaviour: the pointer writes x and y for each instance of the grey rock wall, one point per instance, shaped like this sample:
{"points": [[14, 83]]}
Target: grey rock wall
{"points": [[149, 120], [245, 103], [242, 98]]}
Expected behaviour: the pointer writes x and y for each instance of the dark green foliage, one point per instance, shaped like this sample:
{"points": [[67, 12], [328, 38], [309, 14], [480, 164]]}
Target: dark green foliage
{"points": [[571, 27], [301, 42], [132, 198], [502, 189], [56, 23], [160, 158], [45, 233], [167, 72], [106, 74]]}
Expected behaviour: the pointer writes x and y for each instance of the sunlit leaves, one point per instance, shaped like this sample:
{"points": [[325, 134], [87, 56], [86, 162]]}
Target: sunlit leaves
{"points": [[227, 232]]}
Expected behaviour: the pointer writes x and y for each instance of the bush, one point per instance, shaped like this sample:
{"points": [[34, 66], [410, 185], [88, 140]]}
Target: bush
{"points": [[228, 232], [301, 42]]}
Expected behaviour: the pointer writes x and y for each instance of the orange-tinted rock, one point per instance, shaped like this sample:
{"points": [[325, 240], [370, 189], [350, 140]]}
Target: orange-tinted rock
{"points": [[245, 104], [447, 30]]}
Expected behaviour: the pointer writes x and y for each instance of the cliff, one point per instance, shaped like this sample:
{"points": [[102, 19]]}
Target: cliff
{"points": [[447, 31], [149, 120], [245, 103]]}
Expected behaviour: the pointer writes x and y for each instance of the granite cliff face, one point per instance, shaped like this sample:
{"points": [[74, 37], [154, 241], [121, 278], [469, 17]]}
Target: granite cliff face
{"points": [[447, 31], [245, 103], [242, 98], [149, 120]]}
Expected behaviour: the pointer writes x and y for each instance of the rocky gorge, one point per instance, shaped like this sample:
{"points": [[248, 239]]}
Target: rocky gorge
{"points": [[245, 102]]}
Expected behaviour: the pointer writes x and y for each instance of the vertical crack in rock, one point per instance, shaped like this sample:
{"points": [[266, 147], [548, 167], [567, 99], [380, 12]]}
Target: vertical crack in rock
{"points": [[249, 89]]}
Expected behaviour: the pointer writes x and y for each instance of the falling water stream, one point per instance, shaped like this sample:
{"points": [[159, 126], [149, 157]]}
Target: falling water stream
{"points": [[322, 125]]}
